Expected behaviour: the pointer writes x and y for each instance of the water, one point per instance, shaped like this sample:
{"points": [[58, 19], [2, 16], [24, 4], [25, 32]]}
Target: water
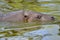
{"points": [[47, 32]]}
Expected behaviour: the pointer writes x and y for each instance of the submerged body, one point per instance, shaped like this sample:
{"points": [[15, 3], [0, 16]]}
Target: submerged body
{"points": [[29, 16], [17, 16]]}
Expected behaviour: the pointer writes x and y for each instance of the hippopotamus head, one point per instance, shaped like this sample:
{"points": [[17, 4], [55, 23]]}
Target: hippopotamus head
{"points": [[36, 16], [45, 18]]}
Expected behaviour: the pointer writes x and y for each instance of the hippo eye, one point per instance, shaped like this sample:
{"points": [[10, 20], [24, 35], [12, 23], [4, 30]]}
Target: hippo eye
{"points": [[52, 17], [25, 16], [38, 17]]}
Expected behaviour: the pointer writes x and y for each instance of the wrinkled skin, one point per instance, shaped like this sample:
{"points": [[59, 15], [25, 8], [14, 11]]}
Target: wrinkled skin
{"points": [[22, 16], [35, 16]]}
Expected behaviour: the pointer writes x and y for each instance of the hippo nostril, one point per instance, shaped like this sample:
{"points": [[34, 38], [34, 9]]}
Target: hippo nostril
{"points": [[52, 18]]}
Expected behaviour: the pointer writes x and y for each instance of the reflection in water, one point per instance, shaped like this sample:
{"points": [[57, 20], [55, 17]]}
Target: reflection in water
{"points": [[51, 38], [48, 30]]}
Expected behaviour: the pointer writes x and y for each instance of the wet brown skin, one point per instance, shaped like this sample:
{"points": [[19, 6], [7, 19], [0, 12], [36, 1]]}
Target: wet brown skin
{"points": [[16, 16], [36, 16], [26, 16]]}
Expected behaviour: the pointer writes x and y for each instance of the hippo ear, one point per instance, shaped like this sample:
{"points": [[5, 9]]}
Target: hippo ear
{"points": [[39, 16]]}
